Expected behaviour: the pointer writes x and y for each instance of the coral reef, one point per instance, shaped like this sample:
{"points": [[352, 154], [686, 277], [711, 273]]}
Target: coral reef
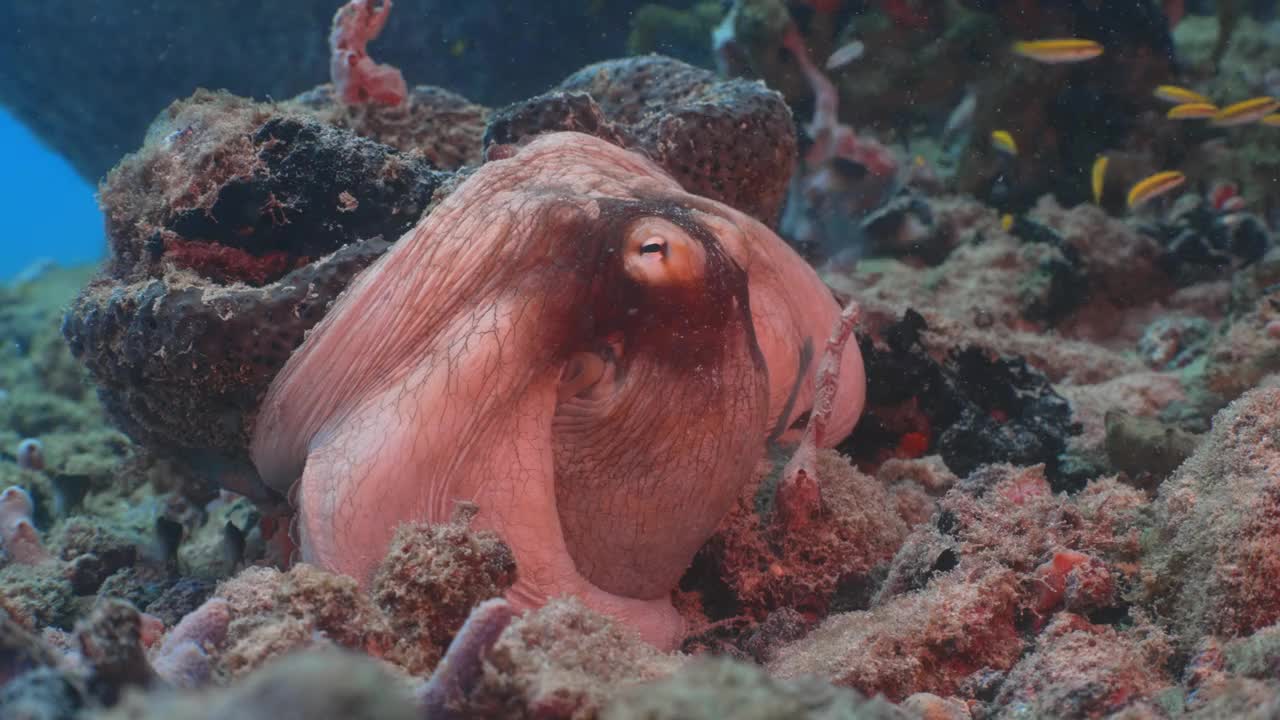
{"points": [[18, 535], [183, 658], [1061, 501]]}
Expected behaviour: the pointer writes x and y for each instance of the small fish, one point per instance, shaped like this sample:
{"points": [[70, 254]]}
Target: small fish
{"points": [[960, 121], [1247, 111], [1006, 222], [1154, 186], [233, 542], [1272, 120], [1058, 50], [1192, 111], [1098, 176], [845, 54], [1180, 95], [1003, 142]]}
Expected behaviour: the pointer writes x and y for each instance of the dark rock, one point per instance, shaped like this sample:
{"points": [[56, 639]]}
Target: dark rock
{"points": [[783, 625], [729, 140], [255, 242], [111, 644], [1059, 284], [140, 586], [290, 202], [179, 599], [1201, 242], [95, 551], [979, 409]]}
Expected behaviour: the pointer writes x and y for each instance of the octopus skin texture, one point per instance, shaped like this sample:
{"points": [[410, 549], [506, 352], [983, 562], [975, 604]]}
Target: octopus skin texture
{"points": [[591, 355]]}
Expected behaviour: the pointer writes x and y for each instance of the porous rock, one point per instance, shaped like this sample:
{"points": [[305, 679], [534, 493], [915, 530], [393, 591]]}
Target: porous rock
{"points": [[231, 230], [729, 140]]}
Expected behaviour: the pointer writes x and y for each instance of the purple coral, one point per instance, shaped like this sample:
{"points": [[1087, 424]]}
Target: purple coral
{"points": [[18, 534], [183, 658], [31, 454], [459, 671]]}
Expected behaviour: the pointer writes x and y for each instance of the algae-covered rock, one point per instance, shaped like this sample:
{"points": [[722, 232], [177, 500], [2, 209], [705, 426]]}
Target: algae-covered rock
{"points": [[563, 661], [307, 686], [929, 640], [38, 596], [811, 568], [1257, 656], [429, 581], [1138, 445], [712, 688], [1212, 563], [1080, 669], [274, 613]]}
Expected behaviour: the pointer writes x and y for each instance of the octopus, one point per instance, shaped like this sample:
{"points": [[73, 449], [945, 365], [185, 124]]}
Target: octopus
{"points": [[591, 338]]}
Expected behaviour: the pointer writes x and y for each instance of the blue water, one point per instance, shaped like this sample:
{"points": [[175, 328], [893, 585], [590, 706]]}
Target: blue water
{"points": [[48, 210]]}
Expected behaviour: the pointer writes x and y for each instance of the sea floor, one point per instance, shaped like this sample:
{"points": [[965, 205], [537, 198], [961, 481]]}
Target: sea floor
{"points": [[1100, 575]]}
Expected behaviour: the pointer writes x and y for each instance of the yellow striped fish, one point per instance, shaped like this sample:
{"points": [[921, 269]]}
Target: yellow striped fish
{"points": [[1154, 186], [1058, 50], [1272, 120], [1180, 95], [1247, 111], [1192, 111], [1098, 176], [1003, 142]]}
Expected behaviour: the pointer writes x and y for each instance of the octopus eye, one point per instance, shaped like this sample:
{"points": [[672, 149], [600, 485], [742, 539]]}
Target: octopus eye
{"points": [[655, 245], [659, 253]]}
